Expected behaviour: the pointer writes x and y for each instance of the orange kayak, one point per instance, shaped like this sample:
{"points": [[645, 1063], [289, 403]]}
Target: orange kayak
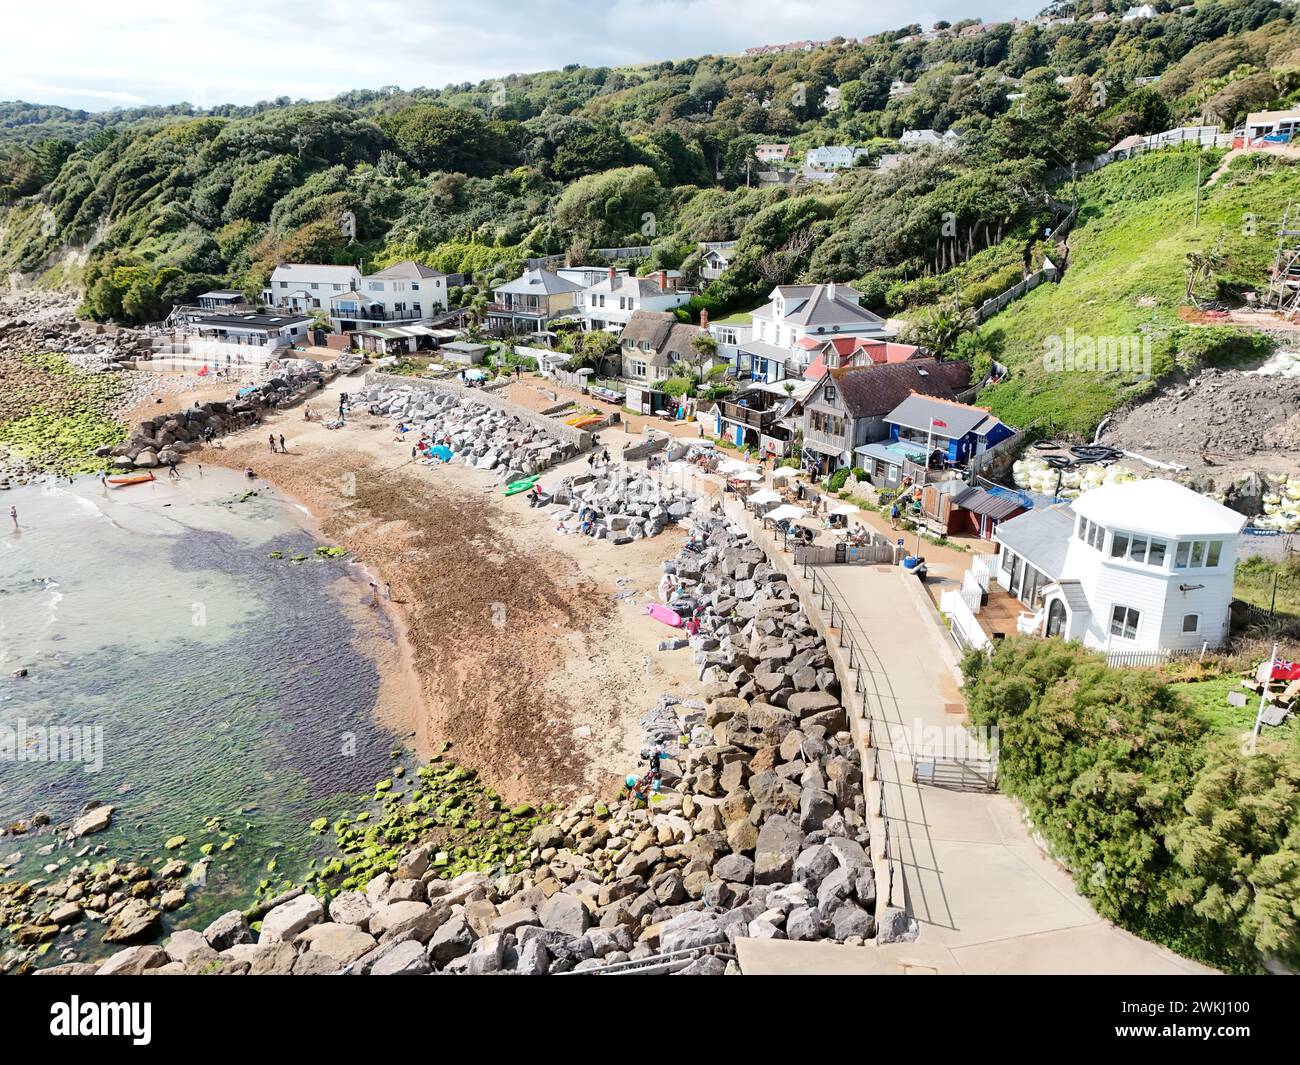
{"points": [[122, 482]]}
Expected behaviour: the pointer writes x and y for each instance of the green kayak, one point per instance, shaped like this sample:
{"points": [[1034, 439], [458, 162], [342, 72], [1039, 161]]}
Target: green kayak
{"points": [[521, 486]]}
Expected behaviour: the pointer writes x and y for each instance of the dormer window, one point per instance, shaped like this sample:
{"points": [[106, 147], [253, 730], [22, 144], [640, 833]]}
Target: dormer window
{"points": [[830, 393]]}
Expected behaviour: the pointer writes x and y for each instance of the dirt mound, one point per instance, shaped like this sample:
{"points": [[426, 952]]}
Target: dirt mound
{"points": [[1223, 414]]}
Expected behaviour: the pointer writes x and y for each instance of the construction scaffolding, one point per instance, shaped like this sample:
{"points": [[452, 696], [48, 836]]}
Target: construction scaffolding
{"points": [[1284, 278]]}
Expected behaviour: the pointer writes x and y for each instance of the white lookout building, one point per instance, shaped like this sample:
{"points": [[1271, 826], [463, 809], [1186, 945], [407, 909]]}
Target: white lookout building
{"points": [[1139, 566]]}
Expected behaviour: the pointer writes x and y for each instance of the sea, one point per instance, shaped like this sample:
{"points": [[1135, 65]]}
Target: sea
{"points": [[191, 659]]}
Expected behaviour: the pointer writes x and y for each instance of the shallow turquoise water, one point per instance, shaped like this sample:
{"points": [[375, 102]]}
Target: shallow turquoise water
{"points": [[225, 683]]}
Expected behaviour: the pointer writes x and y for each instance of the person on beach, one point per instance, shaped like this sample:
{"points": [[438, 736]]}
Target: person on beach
{"points": [[271, 440], [388, 590], [103, 478], [13, 513], [248, 472], [283, 450], [374, 594], [172, 472], [605, 456]]}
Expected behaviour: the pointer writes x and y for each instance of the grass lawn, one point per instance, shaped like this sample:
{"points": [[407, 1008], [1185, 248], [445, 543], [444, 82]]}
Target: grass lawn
{"points": [[1254, 583], [1127, 277], [1208, 700]]}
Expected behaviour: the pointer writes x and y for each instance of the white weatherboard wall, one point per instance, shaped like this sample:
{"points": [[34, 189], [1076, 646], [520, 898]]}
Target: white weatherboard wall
{"points": [[1165, 593]]}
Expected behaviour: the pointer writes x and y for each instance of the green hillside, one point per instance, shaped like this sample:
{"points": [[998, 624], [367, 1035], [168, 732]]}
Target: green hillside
{"points": [[142, 210], [1127, 277]]}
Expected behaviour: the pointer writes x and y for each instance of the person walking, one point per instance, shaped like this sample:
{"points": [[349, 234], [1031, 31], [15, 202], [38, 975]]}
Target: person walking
{"points": [[283, 450], [13, 513], [103, 478], [388, 590], [893, 516], [605, 457], [271, 440]]}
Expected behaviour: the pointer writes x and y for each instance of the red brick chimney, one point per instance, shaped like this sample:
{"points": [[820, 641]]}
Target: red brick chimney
{"points": [[663, 280], [704, 318], [612, 275]]}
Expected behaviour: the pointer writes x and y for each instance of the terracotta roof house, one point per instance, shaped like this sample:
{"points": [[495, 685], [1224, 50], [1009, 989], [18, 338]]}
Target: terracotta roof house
{"points": [[839, 352]]}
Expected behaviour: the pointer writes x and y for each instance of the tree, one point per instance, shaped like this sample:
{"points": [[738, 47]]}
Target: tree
{"points": [[432, 137], [937, 329], [1238, 845]]}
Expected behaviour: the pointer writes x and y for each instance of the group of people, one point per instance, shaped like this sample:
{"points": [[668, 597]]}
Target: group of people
{"points": [[649, 783], [283, 448]]}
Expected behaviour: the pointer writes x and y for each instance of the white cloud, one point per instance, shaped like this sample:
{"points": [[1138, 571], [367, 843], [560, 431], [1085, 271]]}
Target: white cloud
{"points": [[98, 54]]}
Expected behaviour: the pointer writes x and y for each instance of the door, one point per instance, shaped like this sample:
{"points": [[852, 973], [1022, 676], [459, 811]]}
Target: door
{"points": [[1056, 618]]}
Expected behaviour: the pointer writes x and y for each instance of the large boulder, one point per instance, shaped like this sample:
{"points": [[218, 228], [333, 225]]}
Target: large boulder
{"points": [[343, 942], [453, 939], [285, 921], [228, 930], [134, 921], [779, 844], [133, 961]]}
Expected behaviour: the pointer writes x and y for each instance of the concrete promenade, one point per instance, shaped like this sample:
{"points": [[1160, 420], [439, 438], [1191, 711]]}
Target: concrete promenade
{"points": [[963, 863]]}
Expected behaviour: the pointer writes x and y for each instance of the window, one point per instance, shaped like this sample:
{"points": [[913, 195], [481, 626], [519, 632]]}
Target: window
{"points": [[284, 284], [1191, 623], [314, 286], [829, 394], [1137, 549], [415, 286], [1212, 552], [1118, 545], [638, 368], [1008, 560], [1124, 622], [1180, 556], [1156, 555]]}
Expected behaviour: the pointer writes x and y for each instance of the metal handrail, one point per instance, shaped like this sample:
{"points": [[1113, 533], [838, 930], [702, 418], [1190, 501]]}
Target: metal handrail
{"points": [[859, 688]]}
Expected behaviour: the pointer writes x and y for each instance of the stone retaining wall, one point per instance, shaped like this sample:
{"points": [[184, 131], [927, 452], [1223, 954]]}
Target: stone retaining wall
{"points": [[579, 438]]}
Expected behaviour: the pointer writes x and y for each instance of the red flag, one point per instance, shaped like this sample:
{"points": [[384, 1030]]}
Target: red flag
{"points": [[938, 424], [1284, 670]]}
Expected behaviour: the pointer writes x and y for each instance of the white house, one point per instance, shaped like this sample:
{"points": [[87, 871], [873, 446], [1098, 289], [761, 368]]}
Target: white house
{"points": [[308, 286], [1140, 11], [833, 157], [609, 304], [406, 292], [785, 331], [247, 338], [1139, 566], [928, 138]]}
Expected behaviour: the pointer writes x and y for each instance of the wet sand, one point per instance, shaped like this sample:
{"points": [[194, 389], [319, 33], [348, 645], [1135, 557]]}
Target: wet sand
{"points": [[523, 658]]}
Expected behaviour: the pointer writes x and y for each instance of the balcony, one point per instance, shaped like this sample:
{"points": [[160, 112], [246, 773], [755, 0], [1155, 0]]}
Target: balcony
{"points": [[375, 314], [834, 441], [518, 310], [749, 416]]}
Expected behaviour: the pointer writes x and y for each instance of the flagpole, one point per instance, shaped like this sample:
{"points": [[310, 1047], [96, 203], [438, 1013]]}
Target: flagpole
{"points": [[1259, 716]]}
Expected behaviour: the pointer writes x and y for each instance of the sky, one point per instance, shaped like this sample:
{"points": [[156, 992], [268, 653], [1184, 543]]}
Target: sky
{"points": [[100, 54]]}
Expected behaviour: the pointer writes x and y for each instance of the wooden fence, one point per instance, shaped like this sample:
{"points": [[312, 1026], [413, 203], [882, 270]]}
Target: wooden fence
{"points": [[842, 554]]}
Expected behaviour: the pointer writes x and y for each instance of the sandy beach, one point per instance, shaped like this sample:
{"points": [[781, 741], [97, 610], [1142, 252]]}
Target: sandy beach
{"points": [[527, 661]]}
